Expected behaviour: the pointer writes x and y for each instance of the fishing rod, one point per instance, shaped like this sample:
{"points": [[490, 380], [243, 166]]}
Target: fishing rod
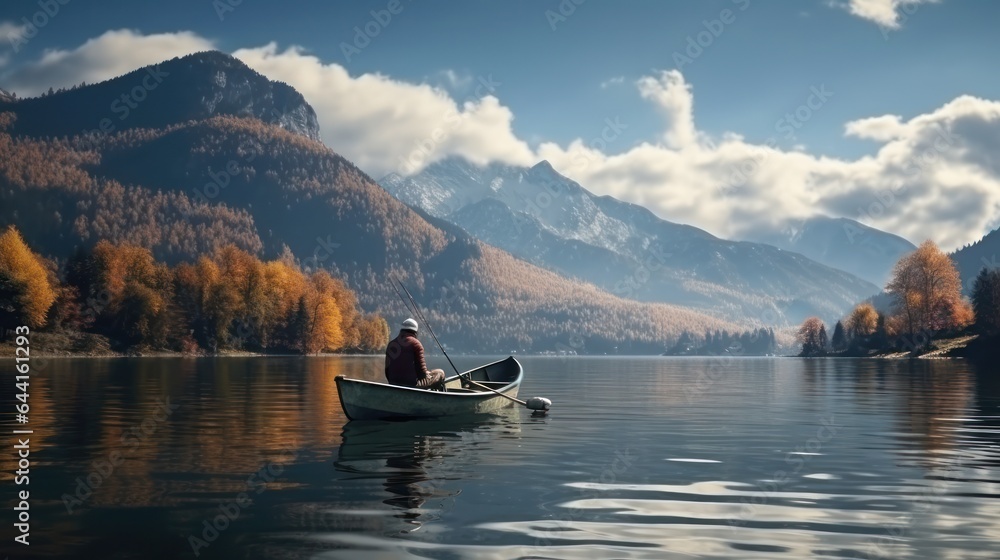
{"points": [[538, 404], [420, 315]]}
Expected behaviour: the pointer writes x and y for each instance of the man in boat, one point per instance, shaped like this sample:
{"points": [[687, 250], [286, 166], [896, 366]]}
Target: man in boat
{"points": [[404, 361]]}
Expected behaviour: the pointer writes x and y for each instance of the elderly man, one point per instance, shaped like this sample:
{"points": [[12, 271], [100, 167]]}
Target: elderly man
{"points": [[404, 361]]}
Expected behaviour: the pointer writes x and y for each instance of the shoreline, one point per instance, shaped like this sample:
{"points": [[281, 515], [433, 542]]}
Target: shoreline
{"points": [[943, 349]]}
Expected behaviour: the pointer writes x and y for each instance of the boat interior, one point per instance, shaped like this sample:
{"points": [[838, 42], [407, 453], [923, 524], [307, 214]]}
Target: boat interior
{"points": [[495, 376]]}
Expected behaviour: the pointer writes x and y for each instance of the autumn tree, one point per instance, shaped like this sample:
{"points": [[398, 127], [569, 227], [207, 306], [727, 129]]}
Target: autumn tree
{"points": [[812, 335], [323, 330], [26, 288], [284, 285], [863, 320], [927, 292], [373, 334], [209, 300], [986, 301], [138, 291]]}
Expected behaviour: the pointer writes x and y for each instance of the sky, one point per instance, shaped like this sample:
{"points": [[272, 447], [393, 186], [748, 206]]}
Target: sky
{"points": [[736, 116]]}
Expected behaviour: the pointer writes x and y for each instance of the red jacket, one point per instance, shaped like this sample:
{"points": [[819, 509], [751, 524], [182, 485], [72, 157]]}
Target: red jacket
{"points": [[404, 360]]}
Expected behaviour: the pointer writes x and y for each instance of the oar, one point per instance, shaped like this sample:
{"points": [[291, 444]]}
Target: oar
{"points": [[534, 403]]}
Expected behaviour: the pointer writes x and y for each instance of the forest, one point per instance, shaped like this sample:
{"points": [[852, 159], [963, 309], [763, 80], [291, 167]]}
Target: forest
{"points": [[195, 188], [927, 304], [755, 342], [227, 301]]}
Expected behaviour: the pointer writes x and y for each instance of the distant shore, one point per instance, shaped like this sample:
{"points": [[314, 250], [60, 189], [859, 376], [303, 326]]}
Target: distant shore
{"points": [[86, 345], [971, 346]]}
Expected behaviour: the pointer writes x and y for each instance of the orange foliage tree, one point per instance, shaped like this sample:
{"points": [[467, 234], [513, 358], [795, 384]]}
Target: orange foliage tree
{"points": [[928, 292], [323, 329], [863, 320], [373, 334], [230, 299], [139, 292], [26, 291], [812, 336]]}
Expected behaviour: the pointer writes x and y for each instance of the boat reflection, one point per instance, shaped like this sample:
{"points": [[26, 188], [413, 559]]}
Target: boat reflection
{"points": [[420, 463]]}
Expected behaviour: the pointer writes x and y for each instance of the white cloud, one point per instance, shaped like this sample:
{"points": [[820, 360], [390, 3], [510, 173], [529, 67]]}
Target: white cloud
{"points": [[884, 128], [9, 31], [883, 12], [934, 175], [387, 125], [672, 96], [10, 34], [111, 54], [456, 80], [616, 81]]}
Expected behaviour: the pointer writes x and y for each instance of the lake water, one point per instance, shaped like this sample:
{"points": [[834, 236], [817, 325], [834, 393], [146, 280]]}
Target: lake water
{"points": [[639, 458]]}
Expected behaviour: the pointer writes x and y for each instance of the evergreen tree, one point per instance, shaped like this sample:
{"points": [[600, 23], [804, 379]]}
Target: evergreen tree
{"points": [[839, 340], [300, 326], [824, 341], [880, 340], [986, 301]]}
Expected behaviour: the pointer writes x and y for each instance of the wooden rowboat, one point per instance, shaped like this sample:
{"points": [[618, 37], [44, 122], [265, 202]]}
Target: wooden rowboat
{"points": [[370, 400]]}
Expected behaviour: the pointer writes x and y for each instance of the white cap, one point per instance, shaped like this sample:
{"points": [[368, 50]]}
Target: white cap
{"points": [[410, 325]]}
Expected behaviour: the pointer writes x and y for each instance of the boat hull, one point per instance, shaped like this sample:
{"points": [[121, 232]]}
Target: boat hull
{"points": [[368, 400]]}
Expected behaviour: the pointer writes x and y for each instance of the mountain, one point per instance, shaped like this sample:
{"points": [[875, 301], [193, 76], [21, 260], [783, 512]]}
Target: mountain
{"points": [[188, 187], [549, 220], [970, 259], [193, 87], [842, 243]]}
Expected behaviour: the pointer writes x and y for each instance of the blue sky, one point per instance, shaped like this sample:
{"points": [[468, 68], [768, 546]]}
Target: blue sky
{"points": [[562, 78], [760, 67]]}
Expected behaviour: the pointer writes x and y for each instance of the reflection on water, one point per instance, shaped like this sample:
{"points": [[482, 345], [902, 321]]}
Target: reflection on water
{"points": [[413, 460], [640, 458]]}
